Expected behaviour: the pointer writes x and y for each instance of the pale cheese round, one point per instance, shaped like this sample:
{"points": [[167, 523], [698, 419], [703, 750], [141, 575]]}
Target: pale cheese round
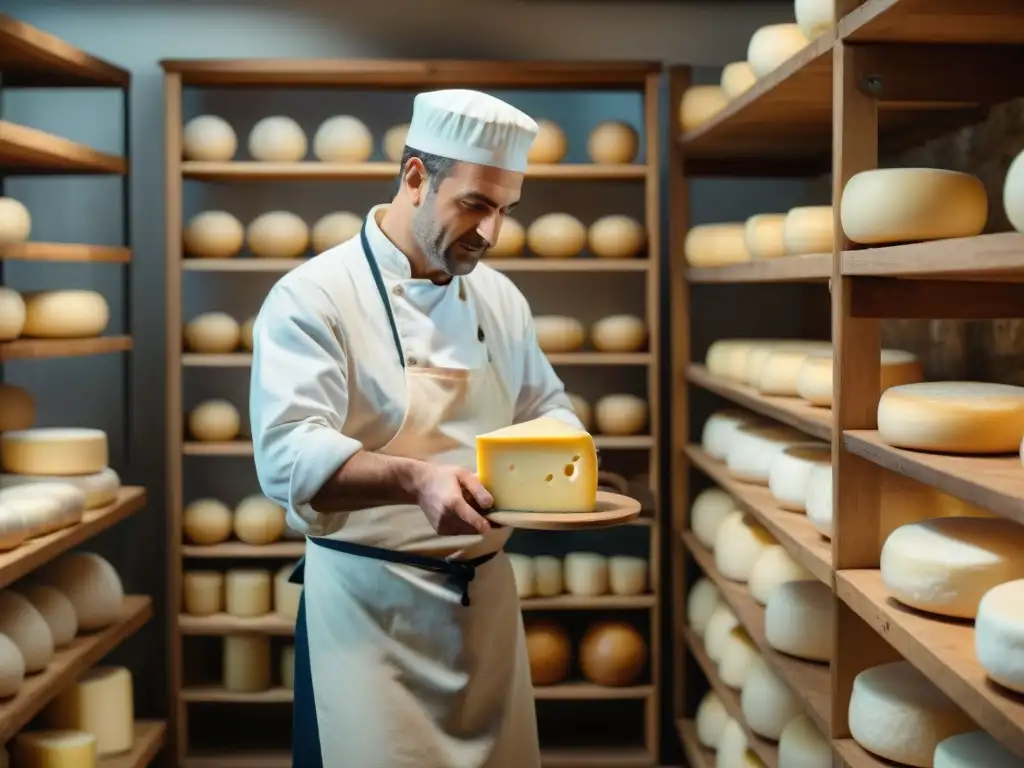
{"points": [[334, 229], [737, 77], [209, 138], [55, 608], [802, 745], [14, 530], [213, 235], [207, 521], [247, 329], [699, 104], [258, 520], [900, 715], [818, 499], [524, 574], [780, 367], [393, 143], [99, 489], [721, 622], [972, 750], [710, 720], [754, 448], [288, 667], [99, 702], [727, 357], [247, 592], [343, 139], [701, 602], [203, 592], [549, 145], [26, 627], [768, 704], [999, 634], [708, 512], [54, 749], [732, 746], [772, 45], [549, 575], [586, 574], [740, 541], [627, 576], [619, 333], [12, 668], [815, 18], [762, 234], [613, 142], [582, 409], [91, 584], [278, 139], [212, 333], [286, 593], [620, 414], [809, 229], [895, 205], [716, 245], [738, 657], [719, 430], [12, 314], [511, 240], [616, 237], [65, 314], [814, 379], [54, 451], [245, 667], [798, 619], [45, 507], [17, 407], [790, 471], [15, 221], [558, 333], [774, 566], [1013, 193], [214, 420], [556, 236], [953, 417], [277, 235]]}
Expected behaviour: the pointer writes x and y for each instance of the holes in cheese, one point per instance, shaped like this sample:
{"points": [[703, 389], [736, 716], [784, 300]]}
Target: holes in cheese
{"points": [[790, 471], [100, 488], [721, 622], [54, 451], [91, 584], [621, 414], [43, 749], [740, 542], [288, 667], [798, 619], [710, 720], [737, 658], [613, 142], [207, 521], [814, 379], [627, 576], [701, 603], [772, 45], [27, 628], [900, 715], [524, 573], [245, 666], [213, 235], [17, 406], [214, 420], [100, 703], [247, 592], [212, 333], [12, 667], [768, 703], [55, 608], [999, 634], [65, 314], [945, 565], [754, 447], [542, 465], [762, 235], [719, 430], [619, 333], [973, 749], [802, 745], [549, 651], [586, 574], [707, 513], [556, 236], [716, 245], [203, 592], [258, 520], [699, 104], [773, 567], [612, 653], [286, 594], [737, 77]]}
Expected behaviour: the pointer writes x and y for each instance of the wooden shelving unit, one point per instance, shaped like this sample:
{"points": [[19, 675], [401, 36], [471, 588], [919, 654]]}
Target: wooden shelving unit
{"points": [[643, 81], [877, 80], [32, 58]]}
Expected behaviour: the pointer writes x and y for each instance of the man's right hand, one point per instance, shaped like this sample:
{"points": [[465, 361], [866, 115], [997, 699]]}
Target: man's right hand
{"points": [[451, 498]]}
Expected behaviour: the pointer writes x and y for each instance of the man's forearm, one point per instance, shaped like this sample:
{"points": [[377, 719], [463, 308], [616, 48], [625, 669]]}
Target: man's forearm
{"points": [[369, 479]]}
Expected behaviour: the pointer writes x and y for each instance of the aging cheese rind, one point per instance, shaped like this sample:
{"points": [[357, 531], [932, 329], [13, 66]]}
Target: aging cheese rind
{"points": [[999, 634], [54, 451]]}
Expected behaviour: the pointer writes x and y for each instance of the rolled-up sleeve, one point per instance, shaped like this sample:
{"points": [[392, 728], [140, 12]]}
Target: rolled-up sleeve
{"points": [[541, 392], [298, 402]]}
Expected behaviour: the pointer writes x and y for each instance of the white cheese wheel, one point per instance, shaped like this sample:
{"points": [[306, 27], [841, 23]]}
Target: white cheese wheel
{"points": [[214, 420], [203, 592], [245, 666], [738, 657], [619, 333], [288, 667], [213, 235], [586, 574], [45, 507], [699, 104], [99, 702], [511, 240], [258, 520], [778, 370], [768, 704], [12, 314], [621, 414], [212, 333], [953, 416], [26, 627], [99, 489], [556, 236], [737, 77], [14, 529], [701, 603], [774, 566], [740, 541], [393, 143], [286, 594], [732, 746], [616, 237], [277, 235], [900, 715], [343, 139], [15, 221], [207, 521], [762, 235], [91, 584], [17, 407], [278, 139], [973, 749], [790, 471], [814, 380], [524, 574], [247, 329], [334, 229], [728, 357], [895, 205], [627, 575], [815, 18], [582, 410], [945, 565], [802, 745], [754, 447], [798, 619], [1013, 193], [721, 622], [558, 333], [710, 720], [55, 608], [720, 429], [65, 314], [999, 634], [549, 145], [772, 45], [708, 511], [809, 229], [818, 499], [12, 668], [613, 142], [247, 592], [716, 245], [209, 138], [54, 749], [54, 451], [548, 572]]}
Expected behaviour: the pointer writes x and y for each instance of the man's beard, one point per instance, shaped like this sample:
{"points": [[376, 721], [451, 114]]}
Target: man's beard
{"points": [[430, 238]]}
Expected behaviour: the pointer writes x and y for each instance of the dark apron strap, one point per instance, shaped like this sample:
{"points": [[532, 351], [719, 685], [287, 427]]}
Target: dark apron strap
{"points": [[305, 729], [379, 282]]}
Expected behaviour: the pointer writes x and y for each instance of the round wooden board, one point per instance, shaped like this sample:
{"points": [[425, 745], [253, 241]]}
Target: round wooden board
{"points": [[612, 509]]}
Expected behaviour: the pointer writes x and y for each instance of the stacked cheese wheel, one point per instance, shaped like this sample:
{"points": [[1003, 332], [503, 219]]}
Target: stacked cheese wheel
{"points": [[247, 666], [276, 234], [218, 333], [559, 334], [801, 231], [57, 314], [582, 574], [563, 236], [255, 520], [215, 421], [609, 653], [241, 592]]}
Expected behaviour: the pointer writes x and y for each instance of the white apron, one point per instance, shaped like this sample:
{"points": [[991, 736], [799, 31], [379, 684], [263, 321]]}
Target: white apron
{"points": [[423, 665]]}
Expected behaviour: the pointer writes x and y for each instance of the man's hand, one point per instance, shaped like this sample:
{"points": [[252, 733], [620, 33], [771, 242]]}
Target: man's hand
{"points": [[451, 498]]}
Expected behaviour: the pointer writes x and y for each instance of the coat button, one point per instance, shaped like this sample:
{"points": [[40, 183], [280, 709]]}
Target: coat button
{"points": [[412, 361], [398, 290]]}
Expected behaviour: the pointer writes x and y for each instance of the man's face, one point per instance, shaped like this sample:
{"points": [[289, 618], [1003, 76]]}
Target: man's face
{"points": [[456, 224]]}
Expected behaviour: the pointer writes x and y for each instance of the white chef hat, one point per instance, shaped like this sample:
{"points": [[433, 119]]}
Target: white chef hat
{"points": [[472, 127]]}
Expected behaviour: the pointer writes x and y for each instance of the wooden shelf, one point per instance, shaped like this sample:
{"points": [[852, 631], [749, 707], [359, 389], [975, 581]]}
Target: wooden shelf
{"points": [[522, 264], [244, 359], [815, 268], [38, 690], [34, 553], [65, 252], [697, 755], [793, 530], [986, 257], [581, 603], [224, 624], [789, 410], [942, 649], [993, 483], [149, 738], [809, 681], [31, 57], [239, 549], [925, 21], [45, 349], [603, 757], [25, 150], [853, 755]]}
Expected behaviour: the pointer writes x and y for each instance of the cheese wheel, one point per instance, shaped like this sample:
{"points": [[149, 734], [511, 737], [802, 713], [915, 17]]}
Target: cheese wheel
{"points": [[394, 142], [12, 667], [945, 565], [54, 749], [343, 139], [207, 521], [12, 314], [621, 414], [616, 237], [779, 370], [586, 574], [815, 18], [953, 417], [814, 379], [619, 333], [558, 334], [17, 407], [288, 667], [716, 245], [556, 236], [999, 634], [247, 592], [737, 77], [772, 45], [707, 514], [208, 138], [728, 357], [64, 314], [212, 333], [719, 430], [818, 499], [740, 541], [278, 139], [1013, 193], [99, 702], [754, 448], [768, 704], [277, 235], [99, 489], [809, 229], [549, 145], [258, 520], [334, 229], [732, 746], [203, 592], [972, 749], [774, 566], [627, 575], [549, 652], [523, 572], [762, 235], [45, 507], [900, 715], [247, 329], [511, 240], [710, 720], [895, 205], [721, 622], [699, 104], [15, 530], [286, 594], [54, 451], [612, 653], [56, 610], [738, 657], [91, 584], [790, 471], [613, 142], [798, 619], [214, 420], [802, 745], [548, 572], [246, 663], [582, 410], [27, 628], [15, 221], [213, 235], [701, 603]]}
